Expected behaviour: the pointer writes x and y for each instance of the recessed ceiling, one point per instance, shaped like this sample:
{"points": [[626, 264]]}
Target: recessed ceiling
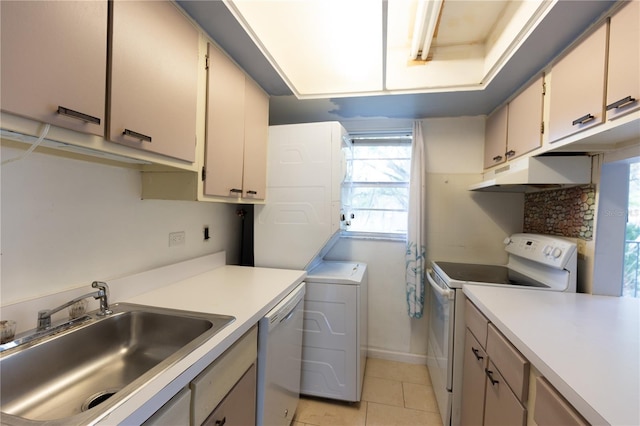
{"points": [[464, 24]]}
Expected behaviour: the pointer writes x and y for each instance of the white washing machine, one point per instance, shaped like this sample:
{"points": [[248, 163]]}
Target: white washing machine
{"points": [[334, 342]]}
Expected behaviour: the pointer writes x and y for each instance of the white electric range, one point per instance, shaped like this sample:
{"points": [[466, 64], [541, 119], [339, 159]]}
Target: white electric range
{"points": [[537, 262]]}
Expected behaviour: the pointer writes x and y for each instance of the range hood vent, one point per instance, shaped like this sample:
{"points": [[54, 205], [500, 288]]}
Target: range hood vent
{"points": [[530, 174]]}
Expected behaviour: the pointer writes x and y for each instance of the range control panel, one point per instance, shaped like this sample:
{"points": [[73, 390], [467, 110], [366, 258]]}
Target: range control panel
{"points": [[545, 249]]}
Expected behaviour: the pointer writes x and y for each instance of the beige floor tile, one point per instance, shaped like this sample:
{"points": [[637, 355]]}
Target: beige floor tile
{"points": [[384, 391], [384, 415], [419, 397], [319, 412], [393, 370]]}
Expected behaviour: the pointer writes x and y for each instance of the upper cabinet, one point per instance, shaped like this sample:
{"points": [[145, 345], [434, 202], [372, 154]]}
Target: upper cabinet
{"points": [[525, 126], [516, 128], [623, 81], [578, 86], [154, 79], [237, 131], [54, 62], [495, 137]]}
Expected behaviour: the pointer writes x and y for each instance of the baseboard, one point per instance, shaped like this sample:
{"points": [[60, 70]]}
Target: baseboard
{"points": [[397, 356]]}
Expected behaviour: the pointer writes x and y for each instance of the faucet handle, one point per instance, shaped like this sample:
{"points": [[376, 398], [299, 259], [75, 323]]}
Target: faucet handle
{"points": [[101, 286], [103, 296]]}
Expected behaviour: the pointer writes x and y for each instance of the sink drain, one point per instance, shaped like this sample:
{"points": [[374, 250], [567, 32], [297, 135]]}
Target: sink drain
{"points": [[98, 399]]}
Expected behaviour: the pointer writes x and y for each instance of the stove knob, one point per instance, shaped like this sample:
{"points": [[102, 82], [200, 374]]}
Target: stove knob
{"points": [[547, 250], [507, 241], [556, 252]]}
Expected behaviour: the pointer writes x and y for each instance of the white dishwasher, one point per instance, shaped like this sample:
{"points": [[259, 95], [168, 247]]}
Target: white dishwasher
{"points": [[279, 360]]}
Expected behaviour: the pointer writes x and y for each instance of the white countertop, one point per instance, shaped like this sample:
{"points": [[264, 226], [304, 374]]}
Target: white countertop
{"points": [[588, 347], [243, 292]]}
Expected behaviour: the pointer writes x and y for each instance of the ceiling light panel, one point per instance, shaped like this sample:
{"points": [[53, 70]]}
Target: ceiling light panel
{"points": [[320, 47]]}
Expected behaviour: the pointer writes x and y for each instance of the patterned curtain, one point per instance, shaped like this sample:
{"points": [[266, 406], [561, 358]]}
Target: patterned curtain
{"points": [[415, 254]]}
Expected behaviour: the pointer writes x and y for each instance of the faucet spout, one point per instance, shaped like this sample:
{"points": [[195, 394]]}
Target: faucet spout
{"points": [[44, 316]]}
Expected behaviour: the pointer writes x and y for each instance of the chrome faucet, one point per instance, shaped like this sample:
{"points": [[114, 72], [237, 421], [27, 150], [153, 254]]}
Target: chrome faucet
{"points": [[44, 316]]}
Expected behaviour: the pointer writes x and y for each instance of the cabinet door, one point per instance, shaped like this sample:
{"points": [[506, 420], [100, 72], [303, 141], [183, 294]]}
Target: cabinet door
{"points": [[154, 70], [238, 408], [501, 405], [256, 134], [473, 381], [54, 62], [225, 126], [495, 137], [551, 409], [623, 81], [524, 130], [577, 87]]}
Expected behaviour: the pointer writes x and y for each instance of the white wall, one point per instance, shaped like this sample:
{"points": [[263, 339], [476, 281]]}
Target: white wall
{"points": [[67, 222], [461, 226]]}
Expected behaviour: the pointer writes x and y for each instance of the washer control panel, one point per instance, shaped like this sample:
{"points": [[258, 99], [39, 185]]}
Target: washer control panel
{"points": [[546, 249]]}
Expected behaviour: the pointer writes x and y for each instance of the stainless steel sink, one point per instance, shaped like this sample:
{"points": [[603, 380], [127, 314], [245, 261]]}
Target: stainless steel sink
{"points": [[79, 374]]}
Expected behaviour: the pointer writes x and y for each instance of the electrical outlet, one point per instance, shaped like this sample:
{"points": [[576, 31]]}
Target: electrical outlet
{"points": [[176, 239]]}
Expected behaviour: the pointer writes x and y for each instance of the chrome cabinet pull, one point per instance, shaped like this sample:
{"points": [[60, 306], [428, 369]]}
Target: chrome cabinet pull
{"points": [[497, 158], [235, 190], [475, 352], [582, 120], [622, 103], [221, 422], [510, 153], [489, 374], [252, 192], [79, 115], [141, 137]]}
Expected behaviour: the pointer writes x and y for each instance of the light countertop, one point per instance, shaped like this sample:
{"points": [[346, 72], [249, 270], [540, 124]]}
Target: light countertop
{"points": [[243, 292], [588, 347]]}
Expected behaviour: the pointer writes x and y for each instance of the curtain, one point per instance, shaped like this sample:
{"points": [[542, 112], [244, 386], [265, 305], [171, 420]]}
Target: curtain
{"points": [[415, 253]]}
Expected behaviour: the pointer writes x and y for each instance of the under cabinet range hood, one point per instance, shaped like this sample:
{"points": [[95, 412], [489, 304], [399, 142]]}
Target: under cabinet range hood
{"points": [[530, 174]]}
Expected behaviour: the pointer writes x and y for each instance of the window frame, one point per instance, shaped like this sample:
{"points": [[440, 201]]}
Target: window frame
{"points": [[402, 138]]}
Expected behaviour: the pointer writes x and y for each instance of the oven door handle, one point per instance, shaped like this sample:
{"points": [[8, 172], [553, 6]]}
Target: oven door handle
{"points": [[447, 293]]}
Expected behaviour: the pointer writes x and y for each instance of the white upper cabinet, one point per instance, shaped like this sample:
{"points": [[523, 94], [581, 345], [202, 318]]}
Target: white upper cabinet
{"points": [[578, 86], [623, 80], [154, 79], [524, 129], [237, 131], [54, 62], [495, 137]]}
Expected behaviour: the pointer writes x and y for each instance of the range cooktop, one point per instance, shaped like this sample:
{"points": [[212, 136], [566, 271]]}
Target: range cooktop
{"points": [[493, 274]]}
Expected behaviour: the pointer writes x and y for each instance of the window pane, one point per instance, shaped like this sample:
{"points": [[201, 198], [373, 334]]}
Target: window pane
{"points": [[381, 170], [380, 198], [379, 221]]}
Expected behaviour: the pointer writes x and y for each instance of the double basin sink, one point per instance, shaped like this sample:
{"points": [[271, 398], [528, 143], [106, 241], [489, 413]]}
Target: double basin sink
{"points": [[80, 374]]}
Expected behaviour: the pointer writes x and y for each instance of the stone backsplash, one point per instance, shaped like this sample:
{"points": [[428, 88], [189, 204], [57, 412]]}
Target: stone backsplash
{"points": [[567, 212]]}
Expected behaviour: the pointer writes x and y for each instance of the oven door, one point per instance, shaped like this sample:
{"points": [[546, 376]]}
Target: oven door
{"points": [[440, 343]]}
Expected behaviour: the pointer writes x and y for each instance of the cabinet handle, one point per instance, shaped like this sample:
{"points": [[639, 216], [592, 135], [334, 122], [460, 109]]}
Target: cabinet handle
{"points": [[475, 352], [79, 115], [236, 190], [252, 192], [510, 153], [489, 374], [221, 422], [136, 135], [621, 103], [582, 120], [497, 158]]}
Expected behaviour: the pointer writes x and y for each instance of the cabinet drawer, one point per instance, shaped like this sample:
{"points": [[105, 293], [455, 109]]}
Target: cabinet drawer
{"points": [[552, 409], [512, 365], [211, 386], [174, 412], [501, 405], [476, 322], [238, 407]]}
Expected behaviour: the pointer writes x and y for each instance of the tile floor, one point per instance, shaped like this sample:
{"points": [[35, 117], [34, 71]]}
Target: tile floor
{"points": [[393, 393]]}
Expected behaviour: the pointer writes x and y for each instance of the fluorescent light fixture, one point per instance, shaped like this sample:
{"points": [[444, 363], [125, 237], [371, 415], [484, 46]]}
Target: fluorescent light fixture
{"points": [[426, 22]]}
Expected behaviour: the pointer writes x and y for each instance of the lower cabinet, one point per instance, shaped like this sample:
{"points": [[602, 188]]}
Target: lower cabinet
{"points": [[238, 407], [501, 406], [224, 393], [551, 409], [474, 385]]}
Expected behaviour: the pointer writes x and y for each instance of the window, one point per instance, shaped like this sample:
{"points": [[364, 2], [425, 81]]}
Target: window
{"points": [[631, 271], [375, 192]]}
